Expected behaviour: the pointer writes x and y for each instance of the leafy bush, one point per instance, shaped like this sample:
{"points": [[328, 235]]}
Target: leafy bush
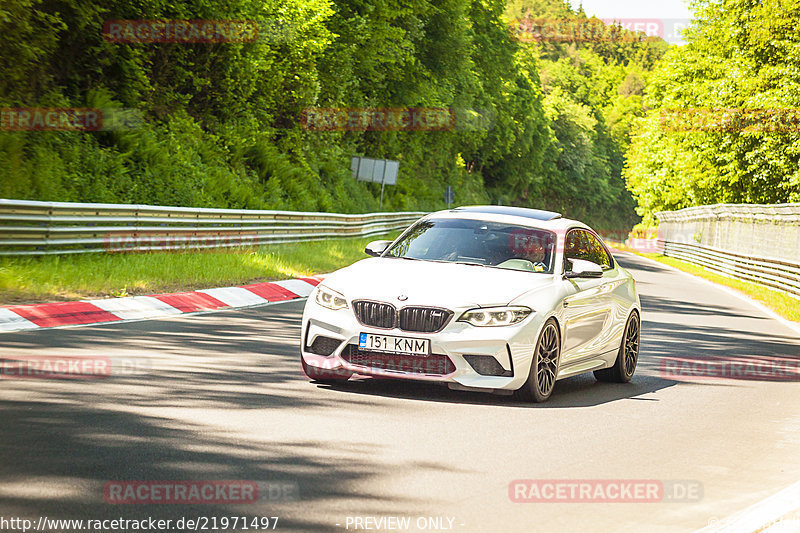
{"points": [[222, 121]]}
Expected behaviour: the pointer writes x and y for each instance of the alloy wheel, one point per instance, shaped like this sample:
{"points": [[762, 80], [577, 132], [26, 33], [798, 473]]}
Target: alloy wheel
{"points": [[631, 345], [547, 359]]}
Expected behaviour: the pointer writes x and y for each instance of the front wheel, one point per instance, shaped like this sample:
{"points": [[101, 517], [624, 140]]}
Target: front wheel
{"points": [[544, 367], [627, 357], [323, 375]]}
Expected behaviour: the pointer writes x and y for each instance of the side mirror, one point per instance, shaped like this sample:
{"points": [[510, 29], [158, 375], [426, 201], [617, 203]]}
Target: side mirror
{"points": [[376, 248], [583, 269]]}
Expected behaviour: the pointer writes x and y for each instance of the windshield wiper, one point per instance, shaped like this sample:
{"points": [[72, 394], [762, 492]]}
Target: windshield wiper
{"points": [[469, 263], [438, 261]]}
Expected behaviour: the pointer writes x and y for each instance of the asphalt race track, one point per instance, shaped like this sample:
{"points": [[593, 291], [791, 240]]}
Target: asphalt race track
{"points": [[221, 396]]}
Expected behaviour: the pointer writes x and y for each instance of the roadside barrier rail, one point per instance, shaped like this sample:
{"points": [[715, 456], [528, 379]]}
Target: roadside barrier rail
{"points": [[757, 243], [50, 228]]}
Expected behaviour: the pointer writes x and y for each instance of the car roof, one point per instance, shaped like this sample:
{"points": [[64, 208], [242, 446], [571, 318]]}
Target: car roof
{"points": [[512, 215], [536, 214]]}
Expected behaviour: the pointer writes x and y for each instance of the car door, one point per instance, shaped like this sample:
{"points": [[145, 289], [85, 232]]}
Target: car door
{"points": [[588, 304]]}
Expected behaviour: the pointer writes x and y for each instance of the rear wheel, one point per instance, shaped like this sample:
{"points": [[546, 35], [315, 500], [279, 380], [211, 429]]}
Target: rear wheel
{"points": [[324, 375], [544, 367], [627, 357]]}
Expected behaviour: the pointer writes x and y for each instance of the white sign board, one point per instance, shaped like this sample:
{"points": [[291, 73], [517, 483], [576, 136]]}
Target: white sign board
{"points": [[382, 171]]}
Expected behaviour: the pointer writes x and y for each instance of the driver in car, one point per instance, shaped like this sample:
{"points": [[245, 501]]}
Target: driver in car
{"points": [[534, 252]]}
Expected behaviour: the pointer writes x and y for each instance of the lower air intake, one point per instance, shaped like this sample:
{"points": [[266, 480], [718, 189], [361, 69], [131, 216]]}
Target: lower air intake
{"points": [[435, 364], [486, 365], [324, 345]]}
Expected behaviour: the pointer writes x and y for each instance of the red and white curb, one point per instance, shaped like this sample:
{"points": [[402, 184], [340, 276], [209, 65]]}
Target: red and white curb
{"points": [[85, 312]]}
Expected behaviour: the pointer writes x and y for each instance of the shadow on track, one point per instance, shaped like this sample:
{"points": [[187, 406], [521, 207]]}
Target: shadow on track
{"points": [[64, 439], [578, 391]]}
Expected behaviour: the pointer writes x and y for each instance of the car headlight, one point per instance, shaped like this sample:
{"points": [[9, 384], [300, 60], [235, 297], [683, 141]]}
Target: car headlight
{"points": [[496, 316], [330, 298]]}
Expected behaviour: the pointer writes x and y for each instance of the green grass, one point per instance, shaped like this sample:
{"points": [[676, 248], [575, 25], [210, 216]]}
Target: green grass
{"points": [[783, 304], [70, 277]]}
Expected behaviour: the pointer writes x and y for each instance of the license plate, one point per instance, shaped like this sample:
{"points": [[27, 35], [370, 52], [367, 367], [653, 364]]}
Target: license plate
{"points": [[391, 344]]}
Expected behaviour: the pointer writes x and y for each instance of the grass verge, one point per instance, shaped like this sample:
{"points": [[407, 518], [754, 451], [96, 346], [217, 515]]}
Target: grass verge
{"points": [[786, 306], [71, 277]]}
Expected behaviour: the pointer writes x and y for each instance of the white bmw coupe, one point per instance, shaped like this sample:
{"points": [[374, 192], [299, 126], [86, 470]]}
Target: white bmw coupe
{"points": [[486, 298]]}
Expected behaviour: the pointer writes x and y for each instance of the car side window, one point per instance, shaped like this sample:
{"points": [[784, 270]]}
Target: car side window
{"points": [[597, 252], [573, 247], [581, 244]]}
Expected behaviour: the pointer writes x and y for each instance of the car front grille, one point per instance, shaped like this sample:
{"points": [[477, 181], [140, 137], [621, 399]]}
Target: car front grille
{"points": [[375, 314], [416, 319], [423, 319], [434, 364]]}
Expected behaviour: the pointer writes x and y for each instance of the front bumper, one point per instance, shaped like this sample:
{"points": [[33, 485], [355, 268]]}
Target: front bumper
{"points": [[462, 355]]}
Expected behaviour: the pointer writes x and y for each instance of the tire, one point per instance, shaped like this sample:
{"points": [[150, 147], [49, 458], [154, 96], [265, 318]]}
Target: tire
{"points": [[628, 354], [322, 375], [544, 367]]}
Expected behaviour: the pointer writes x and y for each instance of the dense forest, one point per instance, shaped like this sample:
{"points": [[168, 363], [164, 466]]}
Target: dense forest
{"points": [[545, 124], [223, 120], [723, 120]]}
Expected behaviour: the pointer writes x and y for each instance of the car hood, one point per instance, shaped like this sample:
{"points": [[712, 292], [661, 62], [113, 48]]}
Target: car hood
{"points": [[431, 283]]}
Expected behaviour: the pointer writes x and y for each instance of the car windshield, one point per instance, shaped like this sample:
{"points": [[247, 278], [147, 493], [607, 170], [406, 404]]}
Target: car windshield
{"points": [[478, 242]]}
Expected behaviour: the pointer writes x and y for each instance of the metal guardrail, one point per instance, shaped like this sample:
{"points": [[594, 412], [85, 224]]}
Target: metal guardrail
{"points": [[757, 243], [781, 275], [748, 229], [45, 228]]}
